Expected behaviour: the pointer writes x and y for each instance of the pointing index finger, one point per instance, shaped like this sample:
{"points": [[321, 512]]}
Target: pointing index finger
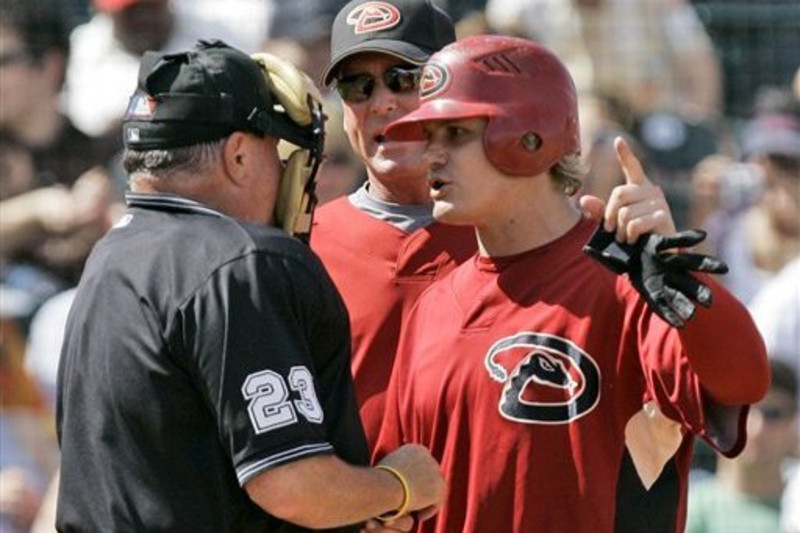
{"points": [[631, 167]]}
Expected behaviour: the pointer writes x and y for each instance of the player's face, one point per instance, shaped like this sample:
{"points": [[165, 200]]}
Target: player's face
{"points": [[383, 91], [465, 187]]}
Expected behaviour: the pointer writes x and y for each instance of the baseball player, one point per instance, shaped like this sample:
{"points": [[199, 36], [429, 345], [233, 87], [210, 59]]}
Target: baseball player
{"points": [[558, 394], [380, 244], [205, 382]]}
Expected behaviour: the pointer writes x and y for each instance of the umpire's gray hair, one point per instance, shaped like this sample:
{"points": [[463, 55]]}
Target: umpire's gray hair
{"points": [[568, 174], [159, 164]]}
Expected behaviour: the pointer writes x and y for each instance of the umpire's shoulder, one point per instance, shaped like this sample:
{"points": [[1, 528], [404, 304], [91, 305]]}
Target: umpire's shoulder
{"points": [[279, 245]]}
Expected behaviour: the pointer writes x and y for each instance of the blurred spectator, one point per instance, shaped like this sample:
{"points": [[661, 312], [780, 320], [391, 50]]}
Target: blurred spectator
{"points": [[43, 348], [28, 451], [652, 58], [53, 195], [655, 55], [745, 493], [790, 504], [758, 44], [246, 22], [776, 312], [341, 172], [796, 84], [300, 31], [106, 50], [758, 240]]}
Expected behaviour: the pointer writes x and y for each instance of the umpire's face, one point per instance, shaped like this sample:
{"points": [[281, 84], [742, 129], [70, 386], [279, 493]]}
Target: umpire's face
{"points": [[385, 89]]}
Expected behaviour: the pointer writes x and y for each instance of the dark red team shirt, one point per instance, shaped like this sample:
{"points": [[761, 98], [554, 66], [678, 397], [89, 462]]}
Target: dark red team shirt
{"points": [[380, 271], [521, 374]]}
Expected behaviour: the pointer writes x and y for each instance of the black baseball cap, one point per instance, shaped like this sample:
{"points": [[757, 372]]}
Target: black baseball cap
{"points": [[411, 30], [202, 95]]}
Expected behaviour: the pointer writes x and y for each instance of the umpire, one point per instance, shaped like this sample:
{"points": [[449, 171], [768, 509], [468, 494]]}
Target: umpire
{"points": [[205, 381]]}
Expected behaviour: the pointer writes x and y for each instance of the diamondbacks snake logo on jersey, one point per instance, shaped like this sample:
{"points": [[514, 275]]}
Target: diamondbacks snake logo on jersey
{"points": [[547, 379]]}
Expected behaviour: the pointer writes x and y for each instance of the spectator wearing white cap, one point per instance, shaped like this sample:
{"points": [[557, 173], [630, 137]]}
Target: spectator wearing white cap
{"points": [[106, 51]]}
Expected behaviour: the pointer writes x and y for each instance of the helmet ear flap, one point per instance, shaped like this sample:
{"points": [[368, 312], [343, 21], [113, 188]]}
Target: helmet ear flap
{"points": [[512, 149]]}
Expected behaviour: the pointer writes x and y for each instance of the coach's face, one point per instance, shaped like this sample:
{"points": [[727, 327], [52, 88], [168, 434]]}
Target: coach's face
{"points": [[376, 104]]}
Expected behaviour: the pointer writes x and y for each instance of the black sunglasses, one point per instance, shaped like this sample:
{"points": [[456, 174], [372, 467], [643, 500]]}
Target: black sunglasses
{"points": [[359, 87]]}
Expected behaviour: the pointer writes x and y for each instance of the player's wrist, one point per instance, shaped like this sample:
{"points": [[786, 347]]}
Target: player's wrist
{"points": [[406, 501]]}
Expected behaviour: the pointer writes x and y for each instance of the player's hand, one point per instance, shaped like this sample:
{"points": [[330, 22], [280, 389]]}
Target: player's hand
{"points": [[634, 208], [426, 483], [663, 279], [404, 523]]}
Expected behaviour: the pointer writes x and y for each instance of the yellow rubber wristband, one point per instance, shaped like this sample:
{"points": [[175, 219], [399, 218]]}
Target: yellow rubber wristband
{"points": [[403, 509]]}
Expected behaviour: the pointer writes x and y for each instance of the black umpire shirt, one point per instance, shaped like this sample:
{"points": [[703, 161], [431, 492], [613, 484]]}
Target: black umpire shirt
{"points": [[199, 352]]}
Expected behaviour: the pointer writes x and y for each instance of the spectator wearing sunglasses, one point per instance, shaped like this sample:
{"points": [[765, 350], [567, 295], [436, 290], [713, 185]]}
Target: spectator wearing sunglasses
{"points": [[745, 493], [380, 244]]}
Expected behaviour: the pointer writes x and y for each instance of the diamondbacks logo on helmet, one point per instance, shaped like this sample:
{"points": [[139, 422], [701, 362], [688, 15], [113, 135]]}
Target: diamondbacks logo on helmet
{"points": [[435, 79], [547, 379], [373, 16]]}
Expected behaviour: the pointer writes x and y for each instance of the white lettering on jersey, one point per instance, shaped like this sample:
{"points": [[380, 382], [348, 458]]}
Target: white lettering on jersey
{"points": [[270, 406]]}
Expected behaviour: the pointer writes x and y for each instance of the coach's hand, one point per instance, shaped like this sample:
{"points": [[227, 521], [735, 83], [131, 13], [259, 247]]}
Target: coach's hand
{"points": [[426, 485]]}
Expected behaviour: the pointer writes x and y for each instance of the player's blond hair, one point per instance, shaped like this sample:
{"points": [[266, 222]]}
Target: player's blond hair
{"points": [[568, 174]]}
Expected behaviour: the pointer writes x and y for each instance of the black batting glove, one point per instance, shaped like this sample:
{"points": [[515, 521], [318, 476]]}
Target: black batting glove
{"points": [[663, 278]]}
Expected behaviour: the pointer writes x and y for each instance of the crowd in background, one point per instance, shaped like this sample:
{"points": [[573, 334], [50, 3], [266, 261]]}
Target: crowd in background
{"points": [[707, 93]]}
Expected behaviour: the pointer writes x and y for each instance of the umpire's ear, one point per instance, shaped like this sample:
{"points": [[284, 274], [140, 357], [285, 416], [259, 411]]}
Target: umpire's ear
{"points": [[235, 155]]}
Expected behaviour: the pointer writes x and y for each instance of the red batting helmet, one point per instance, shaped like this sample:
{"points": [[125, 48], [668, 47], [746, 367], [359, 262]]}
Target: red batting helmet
{"points": [[522, 88]]}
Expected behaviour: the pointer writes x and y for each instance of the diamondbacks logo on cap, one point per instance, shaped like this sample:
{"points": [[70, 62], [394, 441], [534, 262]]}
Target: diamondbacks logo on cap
{"points": [[373, 16], [435, 79], [141, 106]]}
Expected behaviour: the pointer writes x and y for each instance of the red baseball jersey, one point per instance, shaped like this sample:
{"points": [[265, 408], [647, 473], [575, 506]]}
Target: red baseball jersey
{"points": [[380, 270], [554, 400]]}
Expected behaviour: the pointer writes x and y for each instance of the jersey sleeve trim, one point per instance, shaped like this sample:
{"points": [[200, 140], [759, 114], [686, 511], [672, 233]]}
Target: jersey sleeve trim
{"points": [[247, 472]]}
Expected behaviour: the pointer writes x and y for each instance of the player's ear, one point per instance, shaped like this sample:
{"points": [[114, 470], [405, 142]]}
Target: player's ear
{"points": [[234, 157]]}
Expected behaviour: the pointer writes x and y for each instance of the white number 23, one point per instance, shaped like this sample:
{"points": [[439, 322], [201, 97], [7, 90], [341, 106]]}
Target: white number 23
{"points": [[270, 406]]}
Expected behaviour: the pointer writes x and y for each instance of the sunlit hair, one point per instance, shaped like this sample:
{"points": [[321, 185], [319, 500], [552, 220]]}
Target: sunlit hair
{"points": [[568, 174], [160, 164]]}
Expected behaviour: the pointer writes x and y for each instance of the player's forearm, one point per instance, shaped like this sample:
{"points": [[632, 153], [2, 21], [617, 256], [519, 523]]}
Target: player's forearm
{"points": [[726, 351], [325, 492]]}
